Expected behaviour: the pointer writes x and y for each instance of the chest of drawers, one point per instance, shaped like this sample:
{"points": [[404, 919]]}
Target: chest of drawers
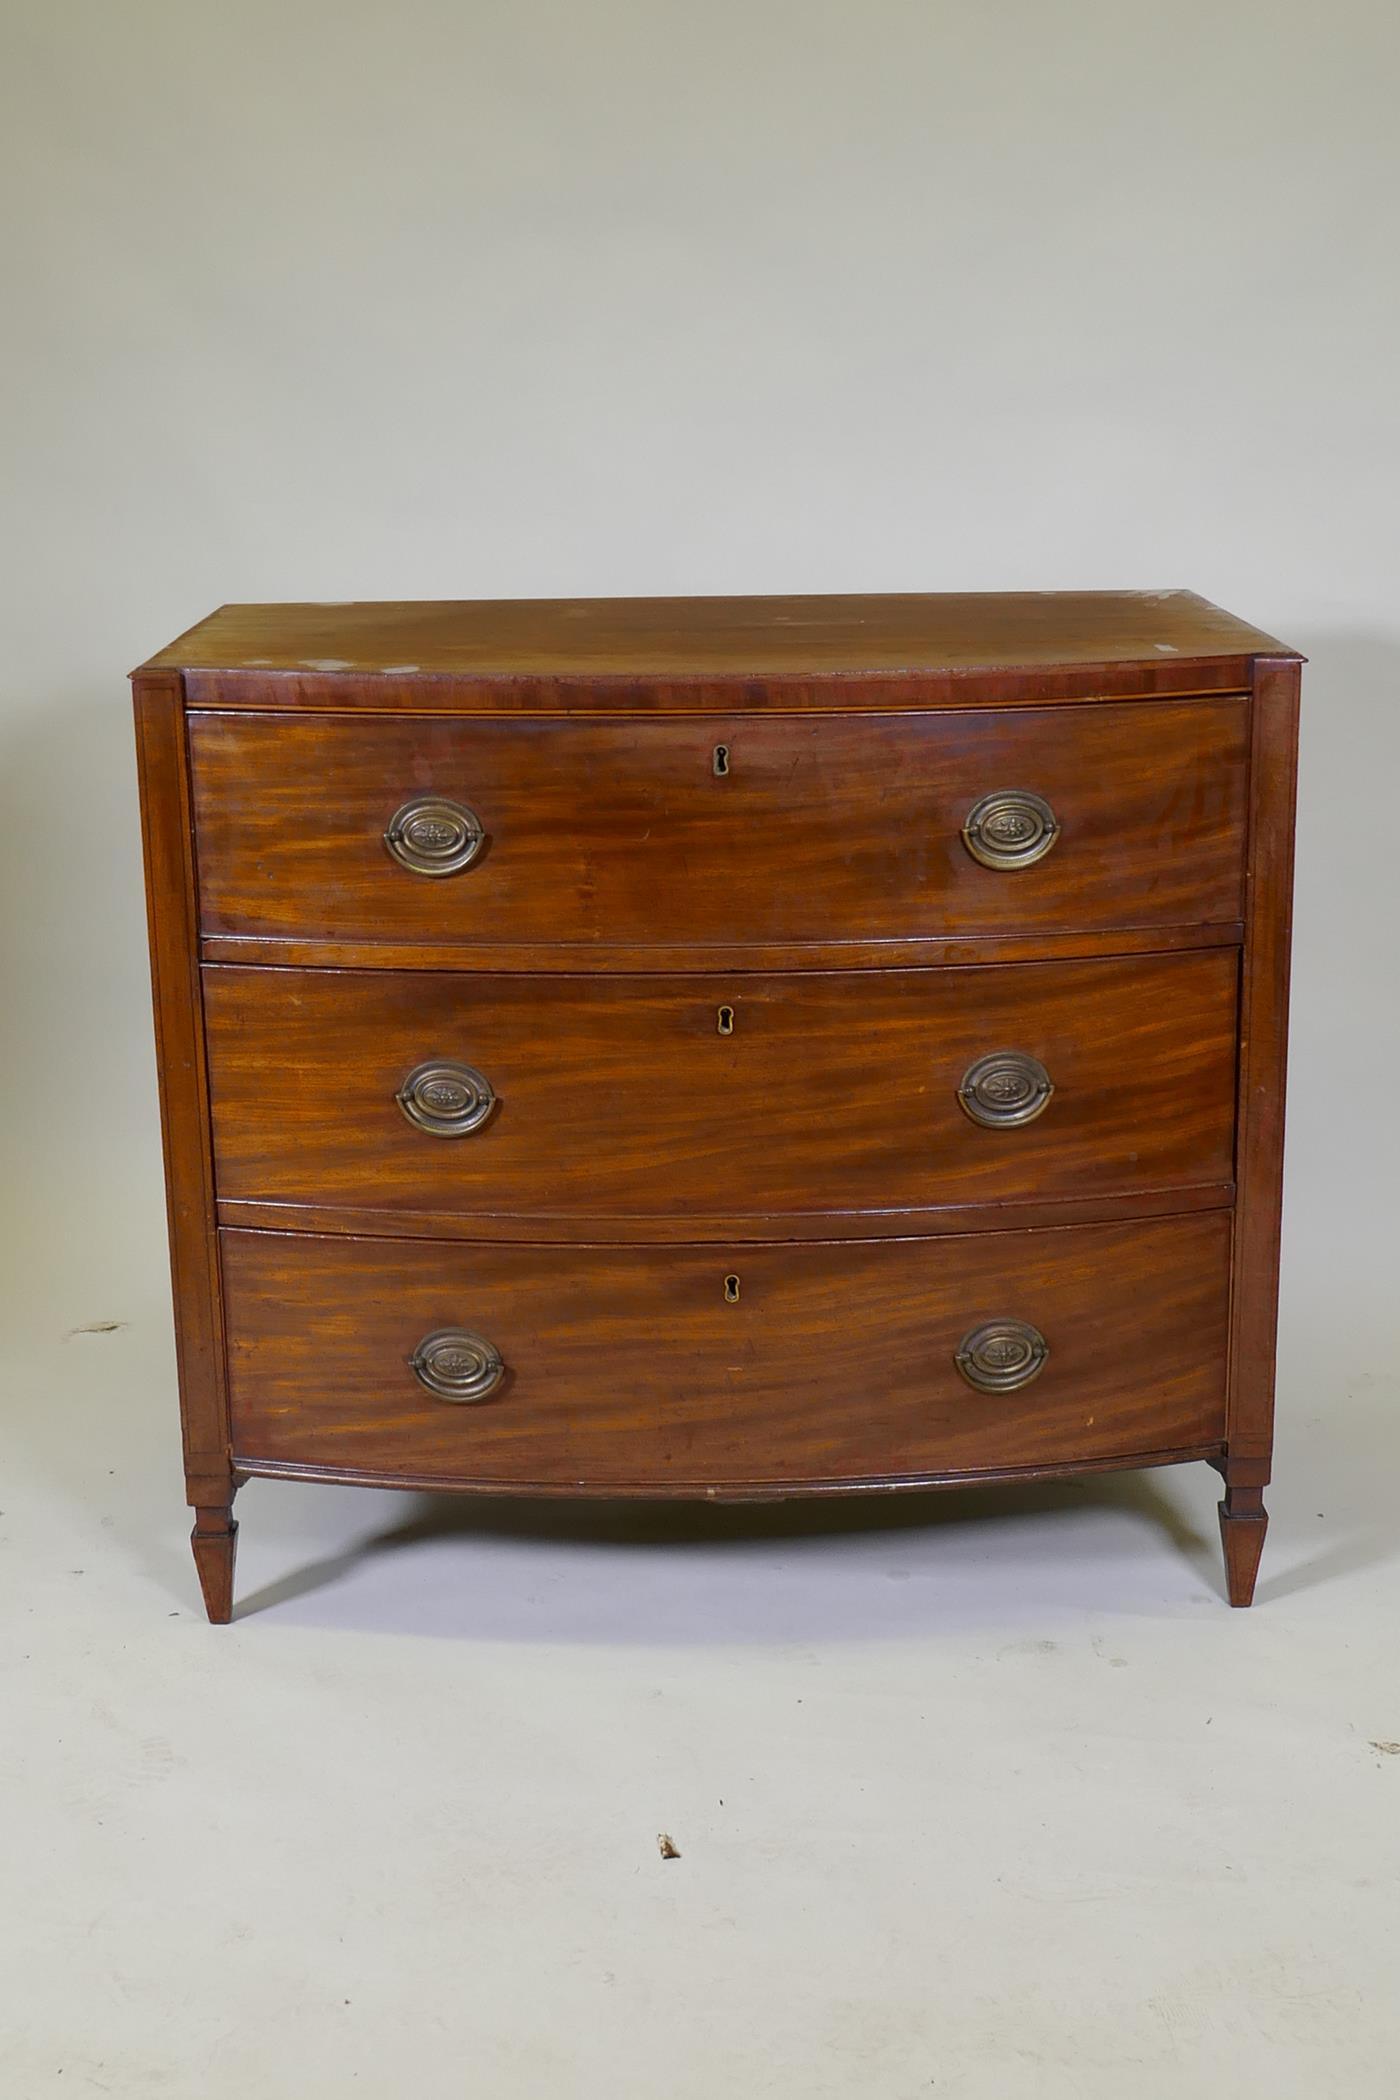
{"points": [[724, 1048]]}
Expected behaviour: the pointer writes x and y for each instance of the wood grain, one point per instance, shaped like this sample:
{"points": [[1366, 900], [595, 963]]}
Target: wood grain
{"points": [[714, 1228], [753, 1491], [214, 1543], [818, 885], [618, 832], [1244, 1525], [651, 642], [1263, 1059], [617, 1097], [570, 956], [574, 695], [629, 1369], [184, 1103]]}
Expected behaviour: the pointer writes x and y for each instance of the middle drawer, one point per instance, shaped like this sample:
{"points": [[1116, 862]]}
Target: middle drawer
{"points": [[654, 1097]]}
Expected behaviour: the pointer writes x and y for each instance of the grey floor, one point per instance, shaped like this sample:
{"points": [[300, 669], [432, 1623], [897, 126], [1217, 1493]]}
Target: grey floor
{"points": [[987, 1794]]}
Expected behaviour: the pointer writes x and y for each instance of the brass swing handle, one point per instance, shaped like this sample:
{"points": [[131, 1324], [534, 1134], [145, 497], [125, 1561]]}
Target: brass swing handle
{"points": [[1001, 1355], [458, 1366], [431, 835], [1005, 1088], [1011, 828], [446, 1099]]}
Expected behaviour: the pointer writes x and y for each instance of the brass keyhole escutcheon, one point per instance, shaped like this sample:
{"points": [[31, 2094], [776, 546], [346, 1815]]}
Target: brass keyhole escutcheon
{"points": [[720, 762], [724, 1020], [731, 1290]]}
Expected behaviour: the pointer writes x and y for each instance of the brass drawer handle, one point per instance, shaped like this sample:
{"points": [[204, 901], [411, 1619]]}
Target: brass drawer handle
{"points": [[432, 836], [1004, 1088], [447, 1100], [457, 1366], [1010, 829], [1002, 1354]]}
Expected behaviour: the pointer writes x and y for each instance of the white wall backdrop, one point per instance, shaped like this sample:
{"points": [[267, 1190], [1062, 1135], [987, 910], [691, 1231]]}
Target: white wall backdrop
{"points": [[341, 300]]}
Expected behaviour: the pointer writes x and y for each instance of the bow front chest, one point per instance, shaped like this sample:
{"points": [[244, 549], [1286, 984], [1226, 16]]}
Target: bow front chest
{"points": [[726, 1048]]}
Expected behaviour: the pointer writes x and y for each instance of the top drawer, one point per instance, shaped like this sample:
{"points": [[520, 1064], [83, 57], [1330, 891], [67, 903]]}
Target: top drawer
{"points": [[721, 831]]}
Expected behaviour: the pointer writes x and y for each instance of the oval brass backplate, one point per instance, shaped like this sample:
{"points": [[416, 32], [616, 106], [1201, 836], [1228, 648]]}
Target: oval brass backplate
{"points": [[431, 835], [445, 1098], [1001, 1355], [1005, 1088], [1011, 828], [457, 1366]]}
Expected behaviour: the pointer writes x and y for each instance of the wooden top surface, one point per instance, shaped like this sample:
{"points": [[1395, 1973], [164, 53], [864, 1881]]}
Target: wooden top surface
{"points": [[630, 639]]}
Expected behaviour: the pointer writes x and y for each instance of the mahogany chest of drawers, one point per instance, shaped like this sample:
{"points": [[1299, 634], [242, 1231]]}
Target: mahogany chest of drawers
{"points": [[727, 1048]]}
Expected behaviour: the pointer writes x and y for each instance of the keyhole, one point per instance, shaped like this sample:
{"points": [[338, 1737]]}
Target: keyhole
{"points": [[725, 1020], [721, 760], [731, 1290]]}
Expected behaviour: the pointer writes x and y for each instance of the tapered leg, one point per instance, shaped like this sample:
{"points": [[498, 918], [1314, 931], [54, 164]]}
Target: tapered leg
{"points": [[1243, 1523], [215, 1543]]}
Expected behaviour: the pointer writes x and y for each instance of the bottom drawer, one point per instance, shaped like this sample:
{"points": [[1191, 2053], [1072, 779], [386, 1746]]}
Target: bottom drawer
{"points": [[706, 1369]]}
